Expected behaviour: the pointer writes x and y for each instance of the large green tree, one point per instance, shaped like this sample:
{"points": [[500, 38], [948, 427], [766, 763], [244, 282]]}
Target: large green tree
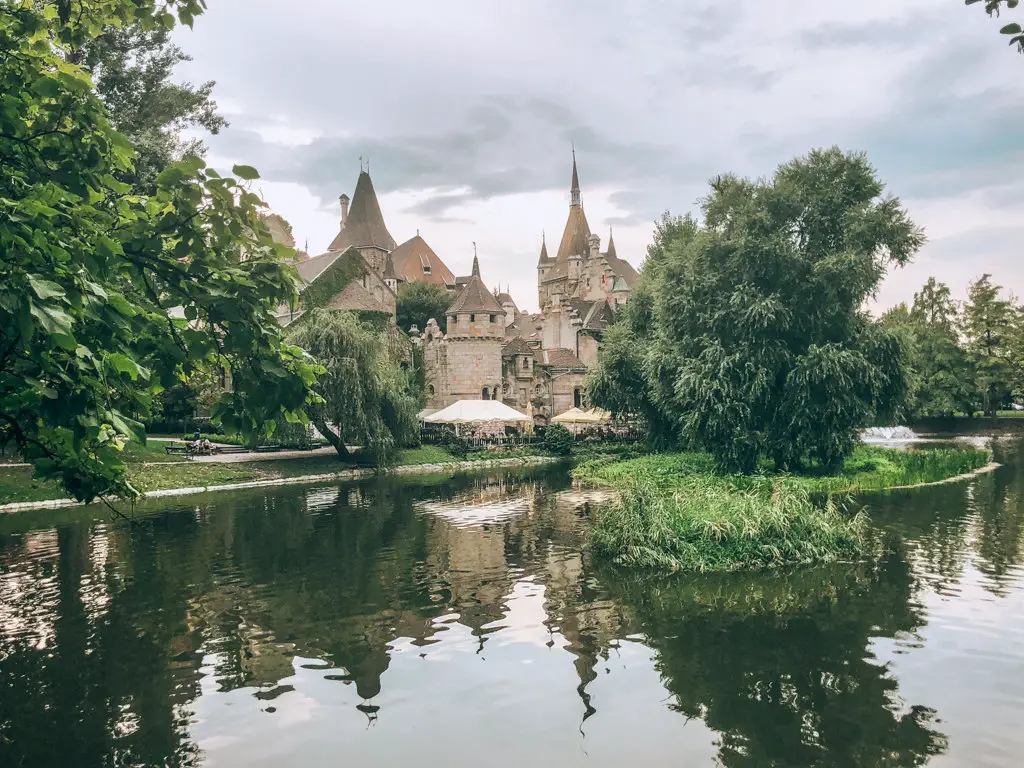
{"points": [[759, 343], [110, 296], [989, 326], [941, 378], [367, 398], [132, 69], [420, 302]]}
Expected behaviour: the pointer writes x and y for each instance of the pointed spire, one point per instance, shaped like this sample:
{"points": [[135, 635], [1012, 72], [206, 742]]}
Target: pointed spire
{"points": [[574, 190], [476, 263], [363, 222], [543, 248], [389, 269], [611, 245]]}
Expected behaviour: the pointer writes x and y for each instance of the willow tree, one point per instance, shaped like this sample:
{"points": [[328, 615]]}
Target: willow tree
{"points": [[367, 398], [757, 344]]}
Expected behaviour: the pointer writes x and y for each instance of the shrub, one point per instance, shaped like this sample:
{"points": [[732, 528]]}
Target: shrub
{"points": [[558, 440]]}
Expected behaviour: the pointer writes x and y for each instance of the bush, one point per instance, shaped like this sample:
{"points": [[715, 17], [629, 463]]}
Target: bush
{"points": [[558, 440]]}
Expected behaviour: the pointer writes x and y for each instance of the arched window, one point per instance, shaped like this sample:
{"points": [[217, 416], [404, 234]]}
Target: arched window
{"points": [[430, 389], [577, 398], [486, 394]]}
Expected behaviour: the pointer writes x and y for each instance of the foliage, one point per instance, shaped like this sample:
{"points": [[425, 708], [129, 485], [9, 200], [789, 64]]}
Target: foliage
{"points": [[940, 375], [993, 8], [420, 302], [183, 401], [347, 267], [629, 378], [367, 397], [109, 297], [873, 468], [988, 326], [558, 440], [131, 68], [708, 525], [868, 468], [675, 512], [750, 338]]}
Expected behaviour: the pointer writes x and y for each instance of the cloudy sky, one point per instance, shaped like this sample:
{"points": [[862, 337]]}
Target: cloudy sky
{"points": [[467, 111]]}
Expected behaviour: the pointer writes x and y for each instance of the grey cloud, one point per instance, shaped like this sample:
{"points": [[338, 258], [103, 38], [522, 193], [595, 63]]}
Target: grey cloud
{"points": [[506, 146], [877, 33]]}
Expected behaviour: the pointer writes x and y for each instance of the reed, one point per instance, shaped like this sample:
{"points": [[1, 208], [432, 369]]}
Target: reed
{"points": [[673, 512]]}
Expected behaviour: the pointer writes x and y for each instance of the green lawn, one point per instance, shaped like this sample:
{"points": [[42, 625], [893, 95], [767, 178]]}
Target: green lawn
{"points": [[150, 469]]}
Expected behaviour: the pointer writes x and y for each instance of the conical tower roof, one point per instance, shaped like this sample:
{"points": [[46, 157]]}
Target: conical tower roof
{"points": [[365, 224], [544, 258], [574, 237], [611, 245]]}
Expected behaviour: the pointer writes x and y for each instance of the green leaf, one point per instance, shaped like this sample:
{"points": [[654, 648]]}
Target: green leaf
{"points": [[52, 319], [123, 364], [1010, 29], [246, 172], [45, 289], [122, 305], [64, 341]]}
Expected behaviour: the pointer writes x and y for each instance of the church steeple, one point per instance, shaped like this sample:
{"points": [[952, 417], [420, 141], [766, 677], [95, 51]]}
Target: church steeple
{"points": [[574, 191], [476, 264]]}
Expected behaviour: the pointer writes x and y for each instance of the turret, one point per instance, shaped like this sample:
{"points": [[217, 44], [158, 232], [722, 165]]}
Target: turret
{"points": [[344, 209], [594, 246], [390, 279]]}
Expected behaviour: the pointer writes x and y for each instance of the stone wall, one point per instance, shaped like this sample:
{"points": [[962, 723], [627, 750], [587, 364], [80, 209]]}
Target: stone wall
{"points": [[563, 388]]}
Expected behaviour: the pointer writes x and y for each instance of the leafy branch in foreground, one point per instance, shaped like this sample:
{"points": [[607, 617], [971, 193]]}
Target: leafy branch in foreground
{"points": [[993, 8], [108, 296]]}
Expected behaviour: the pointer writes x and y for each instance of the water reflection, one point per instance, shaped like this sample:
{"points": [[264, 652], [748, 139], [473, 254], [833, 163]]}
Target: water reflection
{"points": [[469, 606]]}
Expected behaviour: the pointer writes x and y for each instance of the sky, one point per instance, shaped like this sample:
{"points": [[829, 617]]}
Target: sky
{"points": [[467, 113]]}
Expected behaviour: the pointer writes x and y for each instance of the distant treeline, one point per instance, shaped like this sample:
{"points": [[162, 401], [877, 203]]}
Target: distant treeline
{"points": [[961, 357]]}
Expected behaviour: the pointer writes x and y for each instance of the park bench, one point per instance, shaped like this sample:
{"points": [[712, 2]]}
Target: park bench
{"points": [[179, 449]]}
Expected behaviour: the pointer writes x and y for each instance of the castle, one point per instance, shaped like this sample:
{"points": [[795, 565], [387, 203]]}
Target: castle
{"points": [[491, 350]]}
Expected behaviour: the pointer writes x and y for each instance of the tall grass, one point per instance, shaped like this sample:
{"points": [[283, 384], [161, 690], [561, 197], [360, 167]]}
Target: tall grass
{"points": [[673, 512], [707, 524]]}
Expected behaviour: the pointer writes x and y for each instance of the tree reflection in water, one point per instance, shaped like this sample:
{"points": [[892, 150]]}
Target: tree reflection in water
{"points": [[109, 633]]}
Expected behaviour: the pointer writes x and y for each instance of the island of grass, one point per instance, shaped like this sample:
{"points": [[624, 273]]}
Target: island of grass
{"points": [[672, 511]]}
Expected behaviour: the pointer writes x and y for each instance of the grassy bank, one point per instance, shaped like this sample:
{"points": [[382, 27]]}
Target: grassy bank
{"points": [[150, 469], [673, 512]]}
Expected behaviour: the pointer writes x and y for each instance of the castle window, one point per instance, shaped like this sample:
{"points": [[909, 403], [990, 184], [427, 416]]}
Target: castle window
{"points": [[430, 390], [485, 394], [426, 269], [526, 363], [494, 318], [472, 318], [577, 398]]}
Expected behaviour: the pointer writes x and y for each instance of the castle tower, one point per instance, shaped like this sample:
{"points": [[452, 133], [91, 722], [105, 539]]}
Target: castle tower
{"points": [[362, 225], [543, 266], [471, 364], [390, 278]]}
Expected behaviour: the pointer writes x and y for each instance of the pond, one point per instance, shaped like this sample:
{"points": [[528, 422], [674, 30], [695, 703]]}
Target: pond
{"points": [[459, 622]]}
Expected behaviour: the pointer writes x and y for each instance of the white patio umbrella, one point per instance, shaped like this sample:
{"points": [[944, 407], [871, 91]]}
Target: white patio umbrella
{"points": [[476, 412], [572, 416]]}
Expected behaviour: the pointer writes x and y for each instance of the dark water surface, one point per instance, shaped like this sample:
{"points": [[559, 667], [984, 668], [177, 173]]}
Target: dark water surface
{"points": [[458, 623]]}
